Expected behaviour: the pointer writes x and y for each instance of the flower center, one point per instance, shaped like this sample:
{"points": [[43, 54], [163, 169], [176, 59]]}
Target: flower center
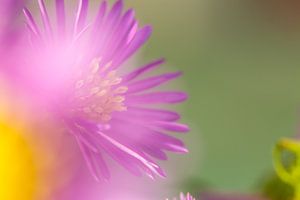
{"points": [[98, 93]]}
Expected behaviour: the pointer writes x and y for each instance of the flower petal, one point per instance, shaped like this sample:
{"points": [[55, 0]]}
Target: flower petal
{"points": [[145, 114], [141, 159], [31, 23], [60, 17], [151, 82], [94, 162], [138, 40], [155, 152], [99, 19], [45, 17], [142, 70], [170, 126], [157, 97], [81, 16]]}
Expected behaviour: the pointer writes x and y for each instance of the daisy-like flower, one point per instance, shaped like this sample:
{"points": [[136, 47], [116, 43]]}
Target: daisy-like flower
{"points": [[78, 69]]}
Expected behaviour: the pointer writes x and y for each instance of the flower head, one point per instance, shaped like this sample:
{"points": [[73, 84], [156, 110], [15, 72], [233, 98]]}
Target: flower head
{"points": [[78, 70]]}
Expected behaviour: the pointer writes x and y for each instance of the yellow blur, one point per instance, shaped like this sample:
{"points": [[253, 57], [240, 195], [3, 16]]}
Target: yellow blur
{"points": [[17, 168], [33, 160]]}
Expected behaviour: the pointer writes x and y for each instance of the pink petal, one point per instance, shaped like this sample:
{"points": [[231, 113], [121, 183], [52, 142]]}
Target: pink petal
{"points": [[157, 97], [31, 22], [136, 113], [45, 17], [141, 159], [139, 39], [81, 15], [141, 70], [60, 17], [151, 82], [94, 162], [99, 19], [170, 126]]}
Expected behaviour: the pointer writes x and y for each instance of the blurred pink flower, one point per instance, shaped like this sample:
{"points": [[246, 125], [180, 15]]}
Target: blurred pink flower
{"points": [[77, 72], [10, 33], [188, 196], [9, 12]]}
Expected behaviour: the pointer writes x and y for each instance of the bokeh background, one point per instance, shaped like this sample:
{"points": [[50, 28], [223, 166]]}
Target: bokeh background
{"points": [[241, 64]]}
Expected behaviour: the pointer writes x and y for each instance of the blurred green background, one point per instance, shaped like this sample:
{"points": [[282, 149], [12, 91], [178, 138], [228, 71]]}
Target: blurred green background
{"points": [[241, 62]]}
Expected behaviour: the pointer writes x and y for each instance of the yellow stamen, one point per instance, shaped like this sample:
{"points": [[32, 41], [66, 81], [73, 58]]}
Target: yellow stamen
{"points": [[101, 95], [121, 90]]}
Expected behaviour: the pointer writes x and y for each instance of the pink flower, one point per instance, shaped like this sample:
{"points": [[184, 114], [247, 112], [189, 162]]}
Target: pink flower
{"points": [[77, 71], [9, 12], [185, 197]]}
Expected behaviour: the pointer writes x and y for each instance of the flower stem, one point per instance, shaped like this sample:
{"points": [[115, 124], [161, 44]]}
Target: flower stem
{"points": [[289, 174]]}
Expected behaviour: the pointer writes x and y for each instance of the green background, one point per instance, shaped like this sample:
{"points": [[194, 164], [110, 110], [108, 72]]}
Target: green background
{"points": [[241, 70]]}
